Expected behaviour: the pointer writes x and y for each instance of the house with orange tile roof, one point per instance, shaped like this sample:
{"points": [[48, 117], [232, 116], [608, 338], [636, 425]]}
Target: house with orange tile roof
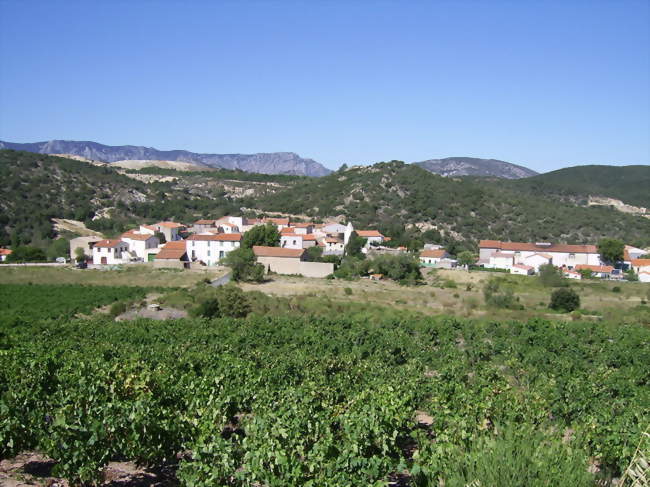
{"points": [[4, 253], [522, 270], [172, 254], [432, 257], [640, 265], [569, 274], [140, 243], [290, 240], [596, 270], [562, 255], [171, 230], [110, 252], [211, 248]]}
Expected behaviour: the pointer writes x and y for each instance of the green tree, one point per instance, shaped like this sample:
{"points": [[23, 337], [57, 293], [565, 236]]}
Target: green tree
{"points": [[314, 254], [551, 276], [208, 308], [466, 258], [233, 302], [59, 247], [611, 250], [414, 245], [266, 235], [25, 253], [244, 266], [402, 268], [564, 299], [354, 246], [79, 254]]}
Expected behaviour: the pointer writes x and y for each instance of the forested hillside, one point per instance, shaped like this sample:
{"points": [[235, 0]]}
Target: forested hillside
{"points": [[392, 194], [630, 184]]}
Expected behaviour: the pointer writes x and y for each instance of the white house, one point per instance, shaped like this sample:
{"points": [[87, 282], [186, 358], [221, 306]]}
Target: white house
{"points": [[301, 228], [211, 248], [139, 243], [596, 270], [523, 270], [537, 260], [500, 260], [562, 255], [110, 252], [431, 257], [170, 230], [371, 236], [278, 222], [644, 276], [333, 246], [4, 253], [569, 274], [229, 224], [640, 265], [291, 240], [333, 228]]}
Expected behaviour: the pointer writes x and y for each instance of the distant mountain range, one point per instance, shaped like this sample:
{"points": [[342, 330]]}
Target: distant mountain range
{"points": [[470, 166], [264, 163]]}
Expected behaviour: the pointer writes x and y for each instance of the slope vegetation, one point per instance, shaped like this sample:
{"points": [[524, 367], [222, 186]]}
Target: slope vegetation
{"points": [[387, 195]]}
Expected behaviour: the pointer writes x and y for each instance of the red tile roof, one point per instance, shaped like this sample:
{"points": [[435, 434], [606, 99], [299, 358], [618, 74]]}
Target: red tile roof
{"points": [[640, 262], [436, 254], [309, 237], [595, 268], [277, 221], [531, 247], [169, 224], [302, 225], [172, 250], [5, 251], [333, 240], [286, 230], [223, 237], [108, 243], [261, 251], [204, 222], [137, 236], [368, 233]]}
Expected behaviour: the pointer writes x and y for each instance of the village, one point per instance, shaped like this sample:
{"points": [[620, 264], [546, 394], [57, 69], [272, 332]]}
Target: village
{"points": [[206, 242]]}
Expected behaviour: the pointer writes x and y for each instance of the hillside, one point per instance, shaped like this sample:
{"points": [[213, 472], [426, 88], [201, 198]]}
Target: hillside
{"points": [[470, 166], [630, 184], [390, 195], [265, 163], [36, 188]]}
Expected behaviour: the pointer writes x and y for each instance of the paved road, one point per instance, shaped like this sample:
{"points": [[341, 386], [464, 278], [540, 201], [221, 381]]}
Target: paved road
{"points": [[35, 264], [221, 280]]}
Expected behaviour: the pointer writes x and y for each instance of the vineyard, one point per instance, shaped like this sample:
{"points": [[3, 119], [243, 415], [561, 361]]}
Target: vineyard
{"points": [[324, 402], [26, 303]]}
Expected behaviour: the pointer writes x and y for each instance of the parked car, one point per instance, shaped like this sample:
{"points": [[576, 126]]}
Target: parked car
{"points": [[82, 265]]}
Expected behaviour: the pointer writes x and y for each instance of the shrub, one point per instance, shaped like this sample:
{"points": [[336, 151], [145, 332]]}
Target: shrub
{"points": [[449, 284], [347, 291], [498, 298], [616, 289], [551, 276], [233, 302], [117, 309], [208, 308], [244, 266], [565, 300]]}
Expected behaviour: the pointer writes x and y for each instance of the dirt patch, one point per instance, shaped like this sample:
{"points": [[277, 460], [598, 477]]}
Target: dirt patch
{"points": [[153, 314], [31, 469]]}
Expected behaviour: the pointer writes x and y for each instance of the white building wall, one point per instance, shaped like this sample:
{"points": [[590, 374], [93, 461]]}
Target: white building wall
{"points": [[209, 251], [140, 247], [290, 242], [113, 255]]}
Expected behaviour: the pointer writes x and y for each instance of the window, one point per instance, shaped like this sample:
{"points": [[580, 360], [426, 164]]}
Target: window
{"points": [[572, 256], [208, 253]]}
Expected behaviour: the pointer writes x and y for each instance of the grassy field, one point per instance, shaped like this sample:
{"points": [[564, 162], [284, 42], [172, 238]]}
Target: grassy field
{"points": [[133, 275]]}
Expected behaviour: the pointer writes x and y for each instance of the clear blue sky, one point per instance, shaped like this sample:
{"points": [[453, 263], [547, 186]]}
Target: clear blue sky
{"points": [[543, 84]]}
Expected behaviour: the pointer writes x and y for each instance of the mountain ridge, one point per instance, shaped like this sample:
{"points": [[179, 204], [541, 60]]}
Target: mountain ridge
{"points": [[473, 166], [263, 163]]}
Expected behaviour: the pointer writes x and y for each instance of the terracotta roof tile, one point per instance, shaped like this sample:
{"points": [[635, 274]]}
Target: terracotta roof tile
{"points": [[261, 251], [169, 224], [5, 251], [436, 254], [594, 268], [108, 243], [368, 233], [640, 262], [137, 236], [172, 250]]}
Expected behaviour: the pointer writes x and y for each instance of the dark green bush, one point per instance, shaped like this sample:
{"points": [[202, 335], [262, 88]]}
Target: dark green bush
{"points": [[564, 299]]}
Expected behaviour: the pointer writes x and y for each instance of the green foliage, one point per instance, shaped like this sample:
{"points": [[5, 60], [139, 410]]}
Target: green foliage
{"points": [[117, 309], [59, 247], [551, 276], [586, 273], [327, 401], [352, 268], [21, 302], [208, 308], [616, 289], [403, 268], [466, 258], [233, 302], [520, 457], [611, 250], [244, 266], [26, 253], [347, 291], [79, 254], [266, 235], [314, 254], [631, 276], [354, 246], [496, 296], [564, 299]]}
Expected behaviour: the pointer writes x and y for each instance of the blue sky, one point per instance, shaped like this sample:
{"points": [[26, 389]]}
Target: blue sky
{"points": [[543, 84]]}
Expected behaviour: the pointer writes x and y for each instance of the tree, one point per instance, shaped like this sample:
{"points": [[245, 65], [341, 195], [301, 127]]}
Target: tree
{"points": [[314, 254], [414, 245], [59, 247], [25, 253], [354, 246], [611, 250], [208, 308], [551, 276], [79, 254], [266, 235], [244, 265], [161, 237], [402, 268], [233, 302], [564, 299], [466, 258]]}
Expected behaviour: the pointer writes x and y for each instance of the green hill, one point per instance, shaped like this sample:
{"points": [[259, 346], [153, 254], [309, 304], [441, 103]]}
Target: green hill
{"points": [[630, 184], [390, 195]]}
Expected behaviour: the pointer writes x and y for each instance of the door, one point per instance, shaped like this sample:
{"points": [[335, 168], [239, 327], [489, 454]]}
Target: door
{"points": [[104, 261]]}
